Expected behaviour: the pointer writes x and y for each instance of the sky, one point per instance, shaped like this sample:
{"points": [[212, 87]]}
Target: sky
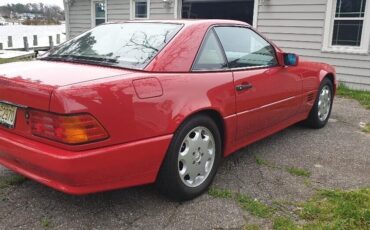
{"points": [[48, 2]]}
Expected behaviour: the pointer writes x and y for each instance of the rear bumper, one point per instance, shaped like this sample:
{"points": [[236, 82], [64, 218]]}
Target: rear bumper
{"points": [[84, 172]]}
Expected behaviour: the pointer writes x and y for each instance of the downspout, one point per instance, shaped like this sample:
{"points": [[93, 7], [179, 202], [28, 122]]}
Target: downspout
{"points": [[177, 9], [255, 13], [66, 11]]}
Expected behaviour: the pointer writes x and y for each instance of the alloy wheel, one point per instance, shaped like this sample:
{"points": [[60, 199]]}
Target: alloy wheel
{"points": [[196, 156], [324, 103]]}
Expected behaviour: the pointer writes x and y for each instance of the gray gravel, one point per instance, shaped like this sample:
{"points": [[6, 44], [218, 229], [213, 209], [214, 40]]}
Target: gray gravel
{"points": [[337, 156]]}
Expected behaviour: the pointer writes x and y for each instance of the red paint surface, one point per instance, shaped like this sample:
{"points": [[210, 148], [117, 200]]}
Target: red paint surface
{"points": [[148, 87], [141, 110]]}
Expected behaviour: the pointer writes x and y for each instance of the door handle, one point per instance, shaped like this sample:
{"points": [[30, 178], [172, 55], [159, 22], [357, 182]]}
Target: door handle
{"points": [[244, 87]]}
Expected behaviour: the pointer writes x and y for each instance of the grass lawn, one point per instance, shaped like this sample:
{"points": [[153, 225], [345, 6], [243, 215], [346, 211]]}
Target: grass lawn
{"points": [[362, 96], [3, 61], [9, 60], [335, 209], [298, 172], [12, 181], [255, 207], [328, 209], [366, 128]]}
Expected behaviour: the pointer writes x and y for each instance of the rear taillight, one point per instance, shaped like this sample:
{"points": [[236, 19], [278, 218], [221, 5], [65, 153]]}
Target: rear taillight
{"points": [[68, 129]]}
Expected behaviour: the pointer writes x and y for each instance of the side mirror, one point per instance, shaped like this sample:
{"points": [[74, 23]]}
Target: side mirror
{"points": [[290, 59]]}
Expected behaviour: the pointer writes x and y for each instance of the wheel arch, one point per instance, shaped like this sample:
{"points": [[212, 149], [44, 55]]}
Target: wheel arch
{"points": [[167, 181], [331, 77], [216, 117], [329, 72]]}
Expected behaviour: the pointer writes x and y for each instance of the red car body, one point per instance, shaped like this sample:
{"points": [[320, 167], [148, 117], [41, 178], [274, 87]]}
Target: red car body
{"points": [[141, 111]]}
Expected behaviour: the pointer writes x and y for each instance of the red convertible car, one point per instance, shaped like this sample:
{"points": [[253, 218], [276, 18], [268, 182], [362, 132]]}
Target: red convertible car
{"points": [[134, 103]]}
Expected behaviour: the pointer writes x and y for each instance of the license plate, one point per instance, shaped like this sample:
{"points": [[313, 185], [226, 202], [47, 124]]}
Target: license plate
{"points": [[8, 113]]}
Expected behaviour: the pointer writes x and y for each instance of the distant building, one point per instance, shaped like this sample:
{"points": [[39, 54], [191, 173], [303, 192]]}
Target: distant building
{"points": [[4, 12], [24, 16], [2, 21]]}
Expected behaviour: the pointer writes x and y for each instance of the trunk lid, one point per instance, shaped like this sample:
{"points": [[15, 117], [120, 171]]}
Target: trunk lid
{"points": [[31, 84]]}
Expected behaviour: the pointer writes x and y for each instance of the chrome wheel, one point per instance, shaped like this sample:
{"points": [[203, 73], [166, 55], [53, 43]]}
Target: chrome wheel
{"points": [[196, 156], [324, 103]]}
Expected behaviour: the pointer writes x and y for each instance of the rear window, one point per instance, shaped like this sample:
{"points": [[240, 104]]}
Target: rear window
{"points": [[128, 45]]}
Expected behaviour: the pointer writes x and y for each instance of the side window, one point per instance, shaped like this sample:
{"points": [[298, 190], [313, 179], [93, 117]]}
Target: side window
{"points": [[211, 56], [244, 48]]}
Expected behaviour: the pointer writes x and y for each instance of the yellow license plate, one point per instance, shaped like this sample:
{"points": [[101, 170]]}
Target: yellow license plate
{"points": [[8, 113]]}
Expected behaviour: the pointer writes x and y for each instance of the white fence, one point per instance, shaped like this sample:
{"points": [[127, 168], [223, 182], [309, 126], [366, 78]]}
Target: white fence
{"points": [[12, 37]]}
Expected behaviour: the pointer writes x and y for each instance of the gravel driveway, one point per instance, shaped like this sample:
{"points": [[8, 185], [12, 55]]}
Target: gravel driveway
{"points": [[337, 156]]}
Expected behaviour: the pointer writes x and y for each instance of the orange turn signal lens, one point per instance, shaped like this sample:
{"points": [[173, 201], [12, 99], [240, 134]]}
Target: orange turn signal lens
{"points": [[68, 129]]}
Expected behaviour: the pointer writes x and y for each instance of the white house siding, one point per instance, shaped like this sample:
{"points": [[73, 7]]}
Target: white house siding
{"points": [[79, 17], [159, 11], [80, 14], [298, 26], [118, 10]]}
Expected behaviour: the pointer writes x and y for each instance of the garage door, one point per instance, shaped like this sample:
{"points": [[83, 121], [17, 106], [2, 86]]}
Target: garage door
{"points": [[219, 9]]}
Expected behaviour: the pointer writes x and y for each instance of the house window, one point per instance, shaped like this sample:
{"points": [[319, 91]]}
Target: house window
{"points": [[347, 28], [99, 13], [140, 9]]}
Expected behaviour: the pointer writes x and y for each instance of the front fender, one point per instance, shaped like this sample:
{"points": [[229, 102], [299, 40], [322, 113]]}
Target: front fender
{"points": [[328, 70]]}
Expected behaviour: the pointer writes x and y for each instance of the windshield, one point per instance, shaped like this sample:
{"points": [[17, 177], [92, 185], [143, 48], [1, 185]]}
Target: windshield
{"points": [[128, 45]]}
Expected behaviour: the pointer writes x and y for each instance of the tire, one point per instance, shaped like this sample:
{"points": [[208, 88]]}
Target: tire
{"points": [[191, 162], [319, 115]]}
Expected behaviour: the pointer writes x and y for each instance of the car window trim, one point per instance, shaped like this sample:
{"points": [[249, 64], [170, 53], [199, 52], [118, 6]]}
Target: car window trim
{"points": [[209, 31], [221, 47], [235, 69], [228, 69], [250, 67]]}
